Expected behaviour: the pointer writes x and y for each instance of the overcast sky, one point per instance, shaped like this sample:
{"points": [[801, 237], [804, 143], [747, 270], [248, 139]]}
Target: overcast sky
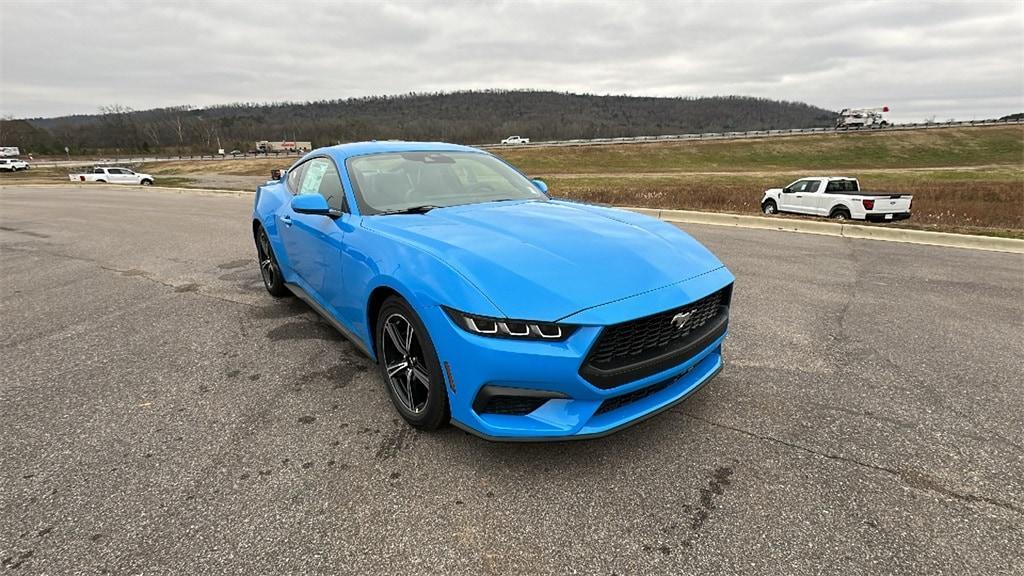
{"points": [[947, 60]]}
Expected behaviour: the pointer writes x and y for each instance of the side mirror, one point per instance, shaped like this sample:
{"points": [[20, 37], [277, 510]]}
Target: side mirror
{"points": [[276, 174], [312, 204], [540, 184], [787, 190]]}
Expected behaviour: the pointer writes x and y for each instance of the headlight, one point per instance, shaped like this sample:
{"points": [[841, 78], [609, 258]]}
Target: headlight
{"points": [[506, 328]]}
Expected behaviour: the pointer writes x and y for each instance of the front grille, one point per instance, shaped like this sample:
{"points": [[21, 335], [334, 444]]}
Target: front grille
{"points": [[620, 401], [511, 405], [631, 350]]}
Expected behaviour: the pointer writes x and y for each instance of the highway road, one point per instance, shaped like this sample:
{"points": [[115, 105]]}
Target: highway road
{"points": [[161, 414]]}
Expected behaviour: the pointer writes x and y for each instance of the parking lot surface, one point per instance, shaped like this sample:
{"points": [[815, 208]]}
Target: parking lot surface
{"points": [[162, 414]]}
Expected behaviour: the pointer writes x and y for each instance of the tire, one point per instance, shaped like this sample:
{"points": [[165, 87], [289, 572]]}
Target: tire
{"points": [[415, 383], [840, 214], [147, 182], [769, 207], [101, 181], [270, 271]]}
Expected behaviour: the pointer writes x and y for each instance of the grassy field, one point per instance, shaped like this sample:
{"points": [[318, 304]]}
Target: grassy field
{"points": [[963, 179]]}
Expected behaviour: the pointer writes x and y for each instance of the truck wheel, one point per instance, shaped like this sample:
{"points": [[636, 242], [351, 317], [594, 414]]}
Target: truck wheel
{"points": [[101, 181], [769, 207], [147, 182], [839, 214]]}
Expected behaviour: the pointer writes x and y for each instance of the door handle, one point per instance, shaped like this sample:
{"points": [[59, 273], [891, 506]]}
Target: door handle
{"points": [[287, 220], [799, 196]]}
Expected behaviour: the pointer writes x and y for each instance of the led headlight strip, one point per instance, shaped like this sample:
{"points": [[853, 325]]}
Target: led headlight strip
{"points": [[506, 328]]}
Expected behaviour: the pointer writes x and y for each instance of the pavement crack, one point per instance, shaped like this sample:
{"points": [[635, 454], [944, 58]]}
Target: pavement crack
{"points": [[910, 479]]}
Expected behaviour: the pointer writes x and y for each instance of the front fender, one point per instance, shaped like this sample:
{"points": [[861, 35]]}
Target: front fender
{"points": [[373, 261], [269, 198]]}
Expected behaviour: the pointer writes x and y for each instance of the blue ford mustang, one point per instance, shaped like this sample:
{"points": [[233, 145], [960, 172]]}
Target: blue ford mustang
{"points": [[485, 301]]}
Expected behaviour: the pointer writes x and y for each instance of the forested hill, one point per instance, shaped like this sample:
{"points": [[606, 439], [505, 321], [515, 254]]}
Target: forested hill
{"points": [[465, 117]]}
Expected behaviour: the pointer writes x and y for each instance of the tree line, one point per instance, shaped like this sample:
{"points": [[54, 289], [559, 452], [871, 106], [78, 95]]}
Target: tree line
{"points": [[469, 117]]}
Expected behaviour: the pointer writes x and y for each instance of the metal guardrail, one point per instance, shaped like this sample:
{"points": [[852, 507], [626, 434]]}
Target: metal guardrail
{"points": [[575, 142], [753, 134]]}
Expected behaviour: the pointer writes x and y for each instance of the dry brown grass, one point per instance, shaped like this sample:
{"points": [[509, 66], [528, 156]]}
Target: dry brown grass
{"points": [[985, 201]]}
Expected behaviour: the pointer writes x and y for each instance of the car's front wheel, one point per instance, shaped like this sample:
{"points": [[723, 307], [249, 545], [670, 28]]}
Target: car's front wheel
{"points": [[769, 207], [409, 365]]}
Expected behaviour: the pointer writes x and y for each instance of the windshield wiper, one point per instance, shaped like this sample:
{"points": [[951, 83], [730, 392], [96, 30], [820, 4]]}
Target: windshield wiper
{"points": [[421, 209]]}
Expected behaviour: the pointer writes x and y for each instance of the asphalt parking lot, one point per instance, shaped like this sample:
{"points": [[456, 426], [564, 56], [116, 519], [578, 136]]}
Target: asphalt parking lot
{"points": [[162, 414]]}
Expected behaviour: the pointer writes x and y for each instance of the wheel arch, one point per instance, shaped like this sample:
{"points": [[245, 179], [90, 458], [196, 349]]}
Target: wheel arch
{"points": [[839, 207], [373, 305]]}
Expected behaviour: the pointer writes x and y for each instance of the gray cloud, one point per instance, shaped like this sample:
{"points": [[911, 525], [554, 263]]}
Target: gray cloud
{"points": [[948, 60]]}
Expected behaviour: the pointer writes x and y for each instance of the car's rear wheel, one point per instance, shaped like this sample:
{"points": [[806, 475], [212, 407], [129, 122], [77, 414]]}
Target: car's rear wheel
{"points": [[409, 366], [769, 207], [840, 214], [269, 268]]}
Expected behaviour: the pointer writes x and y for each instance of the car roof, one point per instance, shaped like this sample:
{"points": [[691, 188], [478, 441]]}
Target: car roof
{"points": [[827, 178], [342, 152]]}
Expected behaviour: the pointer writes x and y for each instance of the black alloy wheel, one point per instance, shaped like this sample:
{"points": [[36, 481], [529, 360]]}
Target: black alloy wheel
{"points": [[409, 366], [269, 269]]}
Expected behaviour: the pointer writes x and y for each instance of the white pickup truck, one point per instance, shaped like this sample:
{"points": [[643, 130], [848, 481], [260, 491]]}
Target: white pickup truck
{"points": [[111, 175], [836, 197], [515, 140]]}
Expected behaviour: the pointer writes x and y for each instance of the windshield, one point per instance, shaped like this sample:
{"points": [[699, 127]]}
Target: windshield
{"points": [[395, 182]]}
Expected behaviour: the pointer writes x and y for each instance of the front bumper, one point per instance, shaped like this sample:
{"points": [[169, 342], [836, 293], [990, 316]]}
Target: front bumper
{"points": [[572, 407]]}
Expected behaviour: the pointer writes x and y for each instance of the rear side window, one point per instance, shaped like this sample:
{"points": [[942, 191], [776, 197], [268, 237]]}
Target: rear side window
{"points": [[841, 186]]}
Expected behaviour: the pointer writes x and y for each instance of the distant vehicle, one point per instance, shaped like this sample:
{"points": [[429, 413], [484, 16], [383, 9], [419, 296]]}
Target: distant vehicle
{"points": [[235, 152], [13, 164], [515, 140], [862, 118], [8, 151], [113, 175], [839, 198], [264, 146]]}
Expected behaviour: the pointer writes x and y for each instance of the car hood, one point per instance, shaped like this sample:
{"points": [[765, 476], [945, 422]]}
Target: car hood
{"points": [[548, 260]]}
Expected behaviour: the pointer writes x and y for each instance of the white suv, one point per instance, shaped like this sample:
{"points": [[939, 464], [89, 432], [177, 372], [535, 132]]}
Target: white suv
{"points": [[13, 164]]}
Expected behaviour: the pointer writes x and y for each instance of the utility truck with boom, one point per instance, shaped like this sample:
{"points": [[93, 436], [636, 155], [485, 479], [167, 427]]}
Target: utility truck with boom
{"points": [[862, 118]]}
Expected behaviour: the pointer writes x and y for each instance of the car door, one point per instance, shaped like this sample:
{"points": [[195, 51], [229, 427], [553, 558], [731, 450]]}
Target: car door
{"points": [[811, 198], [827, 197], [120, 176], [791, 195], [314, 242], [803, 196]]}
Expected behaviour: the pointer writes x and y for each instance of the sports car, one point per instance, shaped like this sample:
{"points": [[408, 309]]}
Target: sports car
{"points": [[485, 301]]}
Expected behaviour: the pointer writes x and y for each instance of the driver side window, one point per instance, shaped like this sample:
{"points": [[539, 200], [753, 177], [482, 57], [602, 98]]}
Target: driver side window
{"points": [[320, 176], [804, 186], [295, 178]]}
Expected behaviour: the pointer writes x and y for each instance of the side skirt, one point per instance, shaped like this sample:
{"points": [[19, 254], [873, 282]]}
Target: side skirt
{"points": [[330, 319]]}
